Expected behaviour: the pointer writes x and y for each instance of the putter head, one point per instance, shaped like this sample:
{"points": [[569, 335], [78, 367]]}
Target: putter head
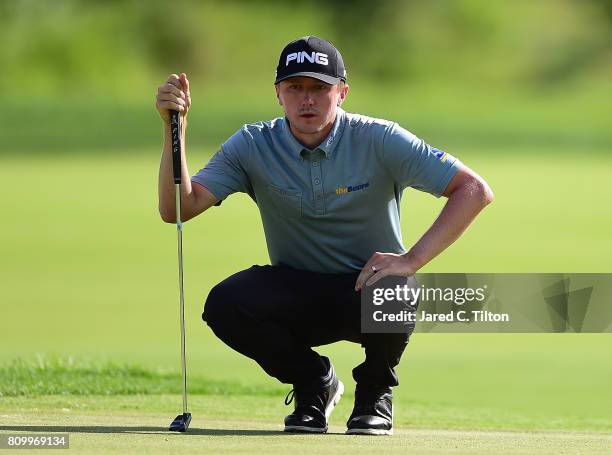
{"points": [[181, 423]]}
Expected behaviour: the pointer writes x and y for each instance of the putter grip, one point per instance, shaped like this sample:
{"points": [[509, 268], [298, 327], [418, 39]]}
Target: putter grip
{"points": [[175, 127]]}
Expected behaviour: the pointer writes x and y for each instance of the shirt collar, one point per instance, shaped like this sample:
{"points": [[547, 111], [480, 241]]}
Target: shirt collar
{"points": [[330, 142], [332, 139]]}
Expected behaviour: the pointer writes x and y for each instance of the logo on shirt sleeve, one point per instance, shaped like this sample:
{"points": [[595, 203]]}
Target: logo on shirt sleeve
{"points": [[442, 156]]}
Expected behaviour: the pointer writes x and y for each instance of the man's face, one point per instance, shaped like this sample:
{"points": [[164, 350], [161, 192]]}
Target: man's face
{"points": [[309, 104]]}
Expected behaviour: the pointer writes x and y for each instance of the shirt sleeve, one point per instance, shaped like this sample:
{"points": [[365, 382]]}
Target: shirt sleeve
{"points": [[414, 163], [226, 172]]}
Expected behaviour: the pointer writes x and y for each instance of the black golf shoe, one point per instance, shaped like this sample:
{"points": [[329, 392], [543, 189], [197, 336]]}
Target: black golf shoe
{"points": [[373, 411], [313, 405]]}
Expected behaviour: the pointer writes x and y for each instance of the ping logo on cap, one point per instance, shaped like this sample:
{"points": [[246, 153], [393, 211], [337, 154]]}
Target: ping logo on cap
{"points": [[314, 57]]}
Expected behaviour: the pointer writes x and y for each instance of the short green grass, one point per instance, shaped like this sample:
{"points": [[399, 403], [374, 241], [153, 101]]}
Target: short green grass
{"points": [[247, 424], [453, 381]]}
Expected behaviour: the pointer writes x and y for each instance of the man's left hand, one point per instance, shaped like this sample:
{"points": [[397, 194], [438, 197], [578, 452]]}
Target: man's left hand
{"points": [[381, 265]]}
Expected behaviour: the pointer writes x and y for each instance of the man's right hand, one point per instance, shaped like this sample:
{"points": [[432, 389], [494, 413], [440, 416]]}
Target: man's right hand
{"points": [[173, 95]]}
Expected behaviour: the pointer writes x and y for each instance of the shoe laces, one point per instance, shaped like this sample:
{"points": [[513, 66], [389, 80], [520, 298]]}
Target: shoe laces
{"points": [[305, 397], [289, 397]]}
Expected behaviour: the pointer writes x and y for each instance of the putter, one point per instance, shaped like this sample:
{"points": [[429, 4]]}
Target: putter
{"points": [[181, 422]]}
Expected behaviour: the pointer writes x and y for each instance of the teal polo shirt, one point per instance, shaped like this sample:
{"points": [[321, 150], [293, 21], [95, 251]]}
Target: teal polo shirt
{"points": [[328, 209]]}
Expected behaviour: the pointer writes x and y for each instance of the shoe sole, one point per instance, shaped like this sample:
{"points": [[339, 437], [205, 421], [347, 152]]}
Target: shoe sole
{"points": [[298, 429], [335, 401], [370, 431], [330, 407]]}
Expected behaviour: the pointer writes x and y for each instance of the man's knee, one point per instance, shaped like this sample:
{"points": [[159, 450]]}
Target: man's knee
{"points": [[220, 306]]}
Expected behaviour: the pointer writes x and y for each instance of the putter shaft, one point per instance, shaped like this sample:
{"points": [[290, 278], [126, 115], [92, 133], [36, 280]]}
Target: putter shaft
{"points": [[179, 230]]}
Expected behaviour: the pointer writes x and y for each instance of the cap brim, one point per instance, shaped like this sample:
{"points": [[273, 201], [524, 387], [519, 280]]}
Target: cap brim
{"points": [[322, 77]]}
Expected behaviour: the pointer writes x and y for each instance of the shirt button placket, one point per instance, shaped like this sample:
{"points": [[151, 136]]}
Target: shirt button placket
{"points": [[317, 185]]}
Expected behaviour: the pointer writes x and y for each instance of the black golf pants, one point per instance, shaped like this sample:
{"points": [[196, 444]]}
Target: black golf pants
{"points": [[276, 314]]}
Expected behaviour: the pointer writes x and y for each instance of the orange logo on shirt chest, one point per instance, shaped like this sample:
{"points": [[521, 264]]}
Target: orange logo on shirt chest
{"points": [[349, 189]]}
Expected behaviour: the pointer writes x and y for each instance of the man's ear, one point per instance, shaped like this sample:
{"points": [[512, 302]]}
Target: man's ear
{"points": [[278, 94], [343, 94]]}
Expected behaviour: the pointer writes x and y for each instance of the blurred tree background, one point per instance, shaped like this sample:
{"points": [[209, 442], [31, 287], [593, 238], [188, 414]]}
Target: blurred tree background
{"points": [[80, 75]]}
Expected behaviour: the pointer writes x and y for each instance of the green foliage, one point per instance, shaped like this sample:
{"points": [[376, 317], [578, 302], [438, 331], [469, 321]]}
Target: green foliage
{"points": [[113, 48], [78, 75]]}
